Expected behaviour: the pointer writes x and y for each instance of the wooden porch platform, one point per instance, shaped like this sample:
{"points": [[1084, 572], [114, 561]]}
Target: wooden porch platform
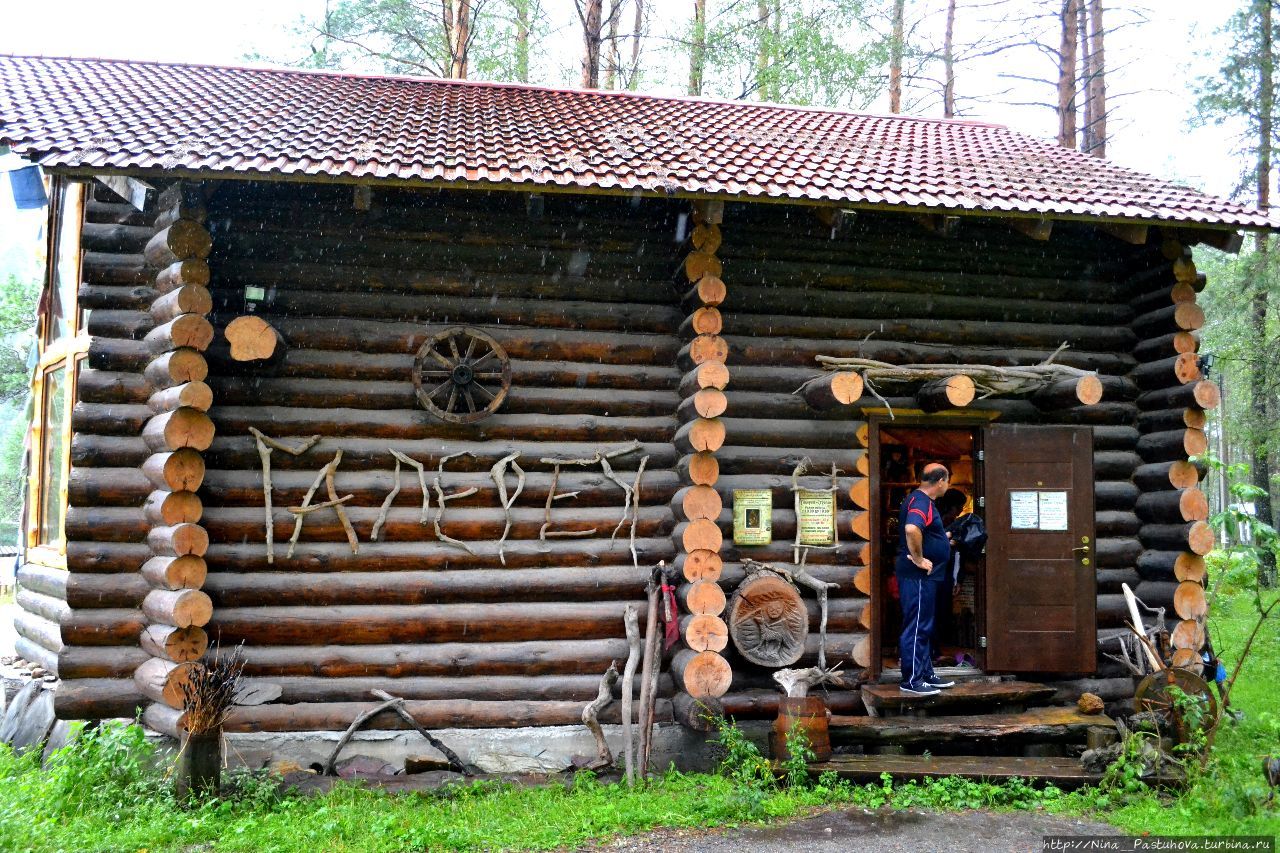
{"points": [[1049, 724], [887, 699], [1063, 772]]}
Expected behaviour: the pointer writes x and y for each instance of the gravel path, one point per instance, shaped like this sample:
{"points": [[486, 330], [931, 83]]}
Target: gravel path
{"points": [[7, 633], [858, 829]]}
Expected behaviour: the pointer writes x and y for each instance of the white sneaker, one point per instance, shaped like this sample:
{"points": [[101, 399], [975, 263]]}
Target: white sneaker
{"points": [[919, 689]]}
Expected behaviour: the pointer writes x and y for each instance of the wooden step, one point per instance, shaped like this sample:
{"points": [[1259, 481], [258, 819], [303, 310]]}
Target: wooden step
{"points": [[1056, 724], [887, 700], [1063, 772]]}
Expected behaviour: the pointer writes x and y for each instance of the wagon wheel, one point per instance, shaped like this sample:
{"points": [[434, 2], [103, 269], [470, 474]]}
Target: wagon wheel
{"points": [[1153, 695], [461, 375]]}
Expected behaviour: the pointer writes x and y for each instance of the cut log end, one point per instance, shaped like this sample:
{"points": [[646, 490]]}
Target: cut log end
{"points": [[953, 392], [252, 339], [702, 674], [701, 564]]}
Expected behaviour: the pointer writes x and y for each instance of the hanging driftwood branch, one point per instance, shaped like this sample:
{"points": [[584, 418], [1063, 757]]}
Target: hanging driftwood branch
{"points": [[322, 477], [948, 384], [422, 481], [305, 510], [442, 498], [798, 682], [338, 505], [265, 445], [635, 510], [591, 715], [452, 757], [386, 505], [499, 474]]}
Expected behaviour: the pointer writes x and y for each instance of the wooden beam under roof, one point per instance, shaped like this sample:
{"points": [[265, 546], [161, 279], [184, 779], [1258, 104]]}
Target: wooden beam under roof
{"points": [[138, 193]]}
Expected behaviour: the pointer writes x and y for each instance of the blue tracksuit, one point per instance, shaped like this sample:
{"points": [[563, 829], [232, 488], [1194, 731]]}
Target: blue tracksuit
{"points": [[917, 588]]}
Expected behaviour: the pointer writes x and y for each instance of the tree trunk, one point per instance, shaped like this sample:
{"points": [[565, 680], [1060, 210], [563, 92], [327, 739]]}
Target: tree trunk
{"points": [[1067, 74], [949, 63], [895, 56], [590, 13], [523, 23], [1259, 385], [698, 47], [1097, 90]]}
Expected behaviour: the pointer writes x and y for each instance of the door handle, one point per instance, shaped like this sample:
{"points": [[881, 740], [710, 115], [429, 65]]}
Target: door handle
{"points": [[1084, 548]]}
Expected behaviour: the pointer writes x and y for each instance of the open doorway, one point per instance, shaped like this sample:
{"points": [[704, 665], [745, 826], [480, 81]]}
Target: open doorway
{"points": [[900, 457]]}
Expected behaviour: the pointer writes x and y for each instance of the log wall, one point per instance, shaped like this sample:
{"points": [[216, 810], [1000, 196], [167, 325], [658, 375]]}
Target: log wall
{"points": [[578, 293], [617, 332]]}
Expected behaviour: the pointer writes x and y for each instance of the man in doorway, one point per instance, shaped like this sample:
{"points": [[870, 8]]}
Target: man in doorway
{"points": [[923, 549]]}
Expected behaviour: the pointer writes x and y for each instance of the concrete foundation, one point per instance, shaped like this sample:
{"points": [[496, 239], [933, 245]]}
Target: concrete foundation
{"points": [[548, 749]]}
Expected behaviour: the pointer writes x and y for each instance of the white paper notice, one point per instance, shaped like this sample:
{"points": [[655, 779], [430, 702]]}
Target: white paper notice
{"points": [[1053, 510], [1024, 510]]}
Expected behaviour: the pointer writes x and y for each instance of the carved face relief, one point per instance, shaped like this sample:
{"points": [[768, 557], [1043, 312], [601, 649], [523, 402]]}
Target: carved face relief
{"points": [[768, 622]]}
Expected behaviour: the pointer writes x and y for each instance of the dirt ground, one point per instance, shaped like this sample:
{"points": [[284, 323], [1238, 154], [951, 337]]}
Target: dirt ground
{"points": [[859, 829]]}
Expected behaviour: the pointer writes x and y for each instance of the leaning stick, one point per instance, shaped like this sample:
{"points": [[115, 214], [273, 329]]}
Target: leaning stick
{"points": [[386, 506], [653, 590], [452, 757], [591, 714], [631, 620], [351, 730], [264, 453], [422, 481]]}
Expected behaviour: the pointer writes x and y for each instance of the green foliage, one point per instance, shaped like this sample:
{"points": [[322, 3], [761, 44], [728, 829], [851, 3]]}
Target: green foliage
{"points": [[795, 767], [18, 299], [741, 760]]}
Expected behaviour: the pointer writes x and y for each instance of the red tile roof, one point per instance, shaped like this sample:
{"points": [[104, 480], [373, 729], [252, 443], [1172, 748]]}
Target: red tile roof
{"points": [[116, 115]]}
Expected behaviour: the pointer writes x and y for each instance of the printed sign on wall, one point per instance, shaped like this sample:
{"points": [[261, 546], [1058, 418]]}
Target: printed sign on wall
{"points": [[816, 520], [752, 516]]}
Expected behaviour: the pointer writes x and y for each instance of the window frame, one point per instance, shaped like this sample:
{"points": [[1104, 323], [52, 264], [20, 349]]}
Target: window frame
{"points": [[67, 351]]}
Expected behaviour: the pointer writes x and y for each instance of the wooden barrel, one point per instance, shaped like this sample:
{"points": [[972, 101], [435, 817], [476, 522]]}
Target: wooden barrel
{"points": [[768, 621], [807, 714]]}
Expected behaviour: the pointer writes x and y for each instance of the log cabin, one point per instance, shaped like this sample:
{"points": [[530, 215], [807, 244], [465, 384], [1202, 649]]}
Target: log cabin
{"points": [[407, 384]]}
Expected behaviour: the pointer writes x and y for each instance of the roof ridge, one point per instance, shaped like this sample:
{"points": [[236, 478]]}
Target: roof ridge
{"points": [[533, 87]]}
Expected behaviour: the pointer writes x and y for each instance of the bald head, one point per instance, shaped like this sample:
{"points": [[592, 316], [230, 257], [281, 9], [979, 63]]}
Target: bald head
{"points": [[934, 479]]}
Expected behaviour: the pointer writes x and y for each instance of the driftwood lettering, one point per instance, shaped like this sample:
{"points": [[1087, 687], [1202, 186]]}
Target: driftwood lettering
{"points": [[325, 476], [499, 474], [442, 498], [265, 445]]}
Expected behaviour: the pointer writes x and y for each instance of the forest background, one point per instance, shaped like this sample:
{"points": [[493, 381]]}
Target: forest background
{"points": [[1184, 90]]}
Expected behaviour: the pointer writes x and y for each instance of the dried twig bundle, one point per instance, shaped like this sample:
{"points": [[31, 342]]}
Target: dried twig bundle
{"points": [[211, 692]]}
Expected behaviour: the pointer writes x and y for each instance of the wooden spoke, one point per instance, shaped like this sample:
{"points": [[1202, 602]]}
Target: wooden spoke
{"points": [[445, 369]]}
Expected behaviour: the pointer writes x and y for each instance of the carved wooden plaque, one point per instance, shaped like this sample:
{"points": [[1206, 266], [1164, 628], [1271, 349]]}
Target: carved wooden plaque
{"points": [[768, 621]]}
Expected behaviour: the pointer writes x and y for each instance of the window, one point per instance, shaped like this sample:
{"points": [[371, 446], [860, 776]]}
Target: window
{"points": [[63, 343]]}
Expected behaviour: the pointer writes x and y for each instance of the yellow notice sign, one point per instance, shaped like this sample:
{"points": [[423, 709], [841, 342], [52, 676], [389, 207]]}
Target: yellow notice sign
{"points": [[752, 516], [816, 519]]}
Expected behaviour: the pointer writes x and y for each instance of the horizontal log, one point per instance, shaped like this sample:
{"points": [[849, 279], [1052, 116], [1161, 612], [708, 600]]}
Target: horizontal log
{"points": [[115, 238], [116, 297], [1082, 391], [1175, 370], [1165, 346], [188, 299], [400, 556], [97, 699], [1197, 537], [109, 419], [1115, 464], [193, 395], [1115, 495], [106, 557], [1174, 506], [1114, 523], [114, 268], [1180, 316], [180, 241], [1173, 445], [734, 460], [165, 720], [174, 368], [410, 425], [177, 429], [1171, 565], [111, 386], [762, 704], [599, 583], [1178, 474], [370, 488], [185, 330], [1110, 580], [181, 608], [401, 660], [43, 632], [426, 623], [77, 662], [1116, 552], [186, 572], [85, 627], [1196, 395], [429, 714], [1166, 419], [178, 470], [122, 213], [84, 591], [163, 681], [486, 688], [163, 508], [476, 525], [180, 645], [703, 321]]}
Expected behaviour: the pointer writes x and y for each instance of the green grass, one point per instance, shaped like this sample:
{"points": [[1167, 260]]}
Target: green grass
{"points": [[101, 795]]}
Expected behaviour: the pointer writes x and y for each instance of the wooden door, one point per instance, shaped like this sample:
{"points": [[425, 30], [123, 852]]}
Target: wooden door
{"points": [[1041, 581]]}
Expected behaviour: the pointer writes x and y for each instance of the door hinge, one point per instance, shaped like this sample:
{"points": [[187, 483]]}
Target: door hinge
{"points": [[982, 642], [982, 456], [982, 500]]}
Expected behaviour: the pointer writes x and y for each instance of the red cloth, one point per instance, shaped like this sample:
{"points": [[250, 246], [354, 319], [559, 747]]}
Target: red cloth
{"points": [[670, 615]]}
